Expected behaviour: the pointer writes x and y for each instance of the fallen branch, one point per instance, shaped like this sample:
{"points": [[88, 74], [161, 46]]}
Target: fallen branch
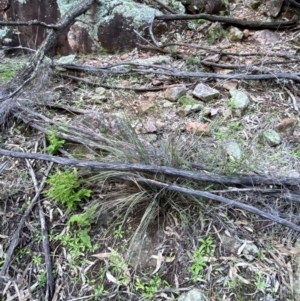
{"points": [[245, 180], [90, 83], [228, 202], [181, 74], [232, 21]]}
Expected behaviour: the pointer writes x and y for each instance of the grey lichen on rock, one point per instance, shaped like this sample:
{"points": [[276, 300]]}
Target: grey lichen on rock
{"points": [[233, 150], [271, 137], [205, 92], [193, 295], [235, 35], [239, 101]]}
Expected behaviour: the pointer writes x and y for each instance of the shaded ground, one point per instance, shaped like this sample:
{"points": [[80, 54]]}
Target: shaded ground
{"points": [[138, 242]]}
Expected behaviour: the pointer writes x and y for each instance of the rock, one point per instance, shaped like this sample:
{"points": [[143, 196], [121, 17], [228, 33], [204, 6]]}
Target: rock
{"points": [[177, 5], [215, 33], [157, 60], [272, 8], [235, 35], [193, 295], [205, 92], [266, 36], [253, 3], [271, 137], [246, 33], [196, 6], [287, 126], [79, 39], [230, 245], [30, 36], [188, 109], [100, 90], [233, 150], [120, 20], [91, 32], [65, 59], [250, 251], [239, 101], [150, 126], [173, 93], [214, 7]]}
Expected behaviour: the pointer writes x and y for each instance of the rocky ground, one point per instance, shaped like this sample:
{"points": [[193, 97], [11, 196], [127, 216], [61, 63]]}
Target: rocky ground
{"points": [[115, 236]]}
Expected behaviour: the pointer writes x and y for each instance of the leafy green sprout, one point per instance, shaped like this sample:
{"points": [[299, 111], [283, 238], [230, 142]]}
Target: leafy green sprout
{"points": [[42, 279], [37, 260], [64, 188], [55, 143], [260, 281], [118, 232], [148, 290], [76, 243], [205, 249]]}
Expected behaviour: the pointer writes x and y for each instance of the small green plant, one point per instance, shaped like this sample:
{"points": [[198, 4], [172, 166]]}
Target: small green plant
{"points": [[99, 290], [55, 143], [37, 260], [7, 74], [296, 153], [119, 267], [64, 188], [260, 282], [173, 52], [148, 290], [84, 219], [216, 35], [205, 249], [42, 279], [200, 21], [76, 243], [118, 232]]}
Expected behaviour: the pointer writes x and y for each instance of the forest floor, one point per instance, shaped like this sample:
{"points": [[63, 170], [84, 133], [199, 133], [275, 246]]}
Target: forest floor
{"points": [[114, 234]]}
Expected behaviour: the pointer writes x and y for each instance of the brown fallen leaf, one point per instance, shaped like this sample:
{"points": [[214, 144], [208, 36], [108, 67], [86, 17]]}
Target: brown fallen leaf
{"points": [[197, 127]]}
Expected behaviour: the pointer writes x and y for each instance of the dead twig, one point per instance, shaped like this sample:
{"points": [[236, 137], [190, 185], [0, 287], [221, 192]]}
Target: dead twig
{"points": [[45, 241]]}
